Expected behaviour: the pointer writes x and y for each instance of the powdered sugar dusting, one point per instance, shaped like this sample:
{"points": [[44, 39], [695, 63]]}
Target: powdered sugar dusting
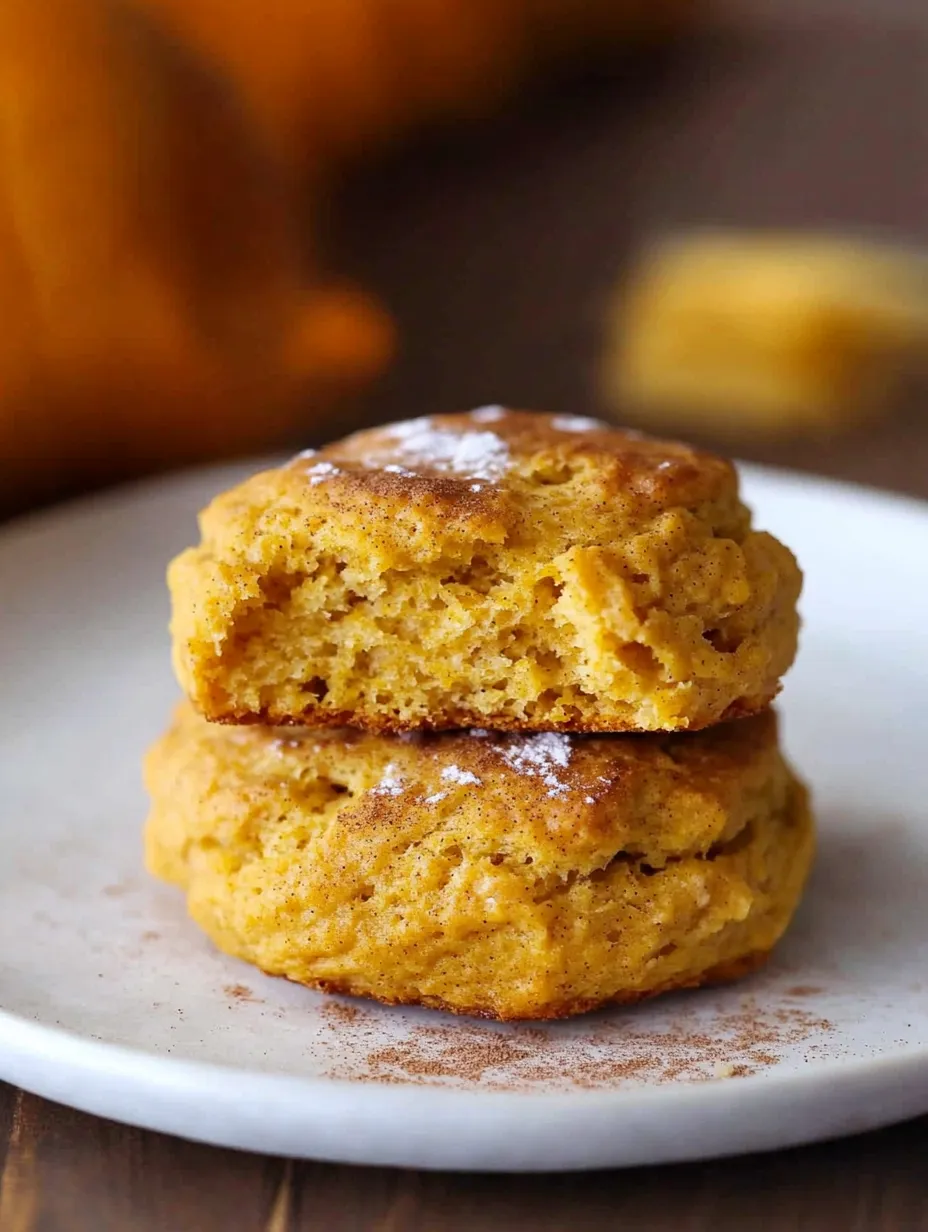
{"points": [[576, 423], [473, 455], [541, 756], [454, 774], [488, 414], [321, 471], [436, 797], [390, 785], [282, 745]]}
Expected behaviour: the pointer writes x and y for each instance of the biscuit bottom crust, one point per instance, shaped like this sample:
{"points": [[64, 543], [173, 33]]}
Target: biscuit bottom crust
{"points": [[722, 973], [510, 877]]}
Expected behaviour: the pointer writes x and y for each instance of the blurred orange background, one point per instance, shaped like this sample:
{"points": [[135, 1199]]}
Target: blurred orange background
{"points": [[224, 230]]}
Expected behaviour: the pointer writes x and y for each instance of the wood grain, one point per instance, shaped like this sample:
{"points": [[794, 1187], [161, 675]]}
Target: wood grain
{"points": [[65, 1170], [19, 1189], [6, 1120], [74, 1173]]}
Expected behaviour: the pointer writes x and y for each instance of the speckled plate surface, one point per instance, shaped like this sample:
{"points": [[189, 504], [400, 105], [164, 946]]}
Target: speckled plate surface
{"points": [[111, 1001]]}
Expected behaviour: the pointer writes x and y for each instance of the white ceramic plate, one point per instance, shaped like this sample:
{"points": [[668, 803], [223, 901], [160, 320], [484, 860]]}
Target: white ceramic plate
{"points": [[111, 1001]]}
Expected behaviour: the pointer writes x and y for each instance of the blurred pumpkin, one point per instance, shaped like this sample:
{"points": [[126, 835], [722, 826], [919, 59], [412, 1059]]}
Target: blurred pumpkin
{"points": [[332, 78], [156, 299]]}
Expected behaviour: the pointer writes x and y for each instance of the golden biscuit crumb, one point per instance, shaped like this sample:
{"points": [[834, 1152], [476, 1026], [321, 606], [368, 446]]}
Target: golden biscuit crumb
{"points": [[498, 569]]}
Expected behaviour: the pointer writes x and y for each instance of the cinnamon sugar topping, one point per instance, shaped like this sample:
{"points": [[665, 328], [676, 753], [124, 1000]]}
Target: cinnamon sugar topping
{"points": [[601, 1052]]}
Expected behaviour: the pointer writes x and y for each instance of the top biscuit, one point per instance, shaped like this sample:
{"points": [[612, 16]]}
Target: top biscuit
{"points": [[496, 569]]}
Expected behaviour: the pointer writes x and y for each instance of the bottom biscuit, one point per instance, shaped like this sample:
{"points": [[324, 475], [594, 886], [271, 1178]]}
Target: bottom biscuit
{"points": [[510, 877]]}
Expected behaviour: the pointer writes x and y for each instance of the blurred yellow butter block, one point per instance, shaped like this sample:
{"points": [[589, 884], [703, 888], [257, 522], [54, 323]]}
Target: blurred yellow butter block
{"points": [[771, 332]]}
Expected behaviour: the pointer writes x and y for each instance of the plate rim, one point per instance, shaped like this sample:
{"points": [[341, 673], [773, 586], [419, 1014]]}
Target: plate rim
{"points": [[141, 1075]]}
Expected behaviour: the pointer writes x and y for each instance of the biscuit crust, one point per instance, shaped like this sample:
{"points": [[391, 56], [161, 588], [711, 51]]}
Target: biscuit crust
{"points": [[500, 569], [505, 876]]}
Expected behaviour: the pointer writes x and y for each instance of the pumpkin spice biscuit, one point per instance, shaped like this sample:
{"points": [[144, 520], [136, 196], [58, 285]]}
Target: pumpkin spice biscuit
{"points": [[510, 876], [499, 569]]}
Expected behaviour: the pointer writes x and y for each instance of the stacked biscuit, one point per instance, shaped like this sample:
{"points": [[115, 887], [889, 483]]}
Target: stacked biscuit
{"points": [[478, 719]]}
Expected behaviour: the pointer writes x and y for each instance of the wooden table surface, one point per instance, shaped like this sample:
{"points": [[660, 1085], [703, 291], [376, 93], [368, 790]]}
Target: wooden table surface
{"points": [[496, 253]]}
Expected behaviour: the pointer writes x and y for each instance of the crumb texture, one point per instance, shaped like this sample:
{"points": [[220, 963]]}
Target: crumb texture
{"points": [[500, 569], [503, 875]]}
